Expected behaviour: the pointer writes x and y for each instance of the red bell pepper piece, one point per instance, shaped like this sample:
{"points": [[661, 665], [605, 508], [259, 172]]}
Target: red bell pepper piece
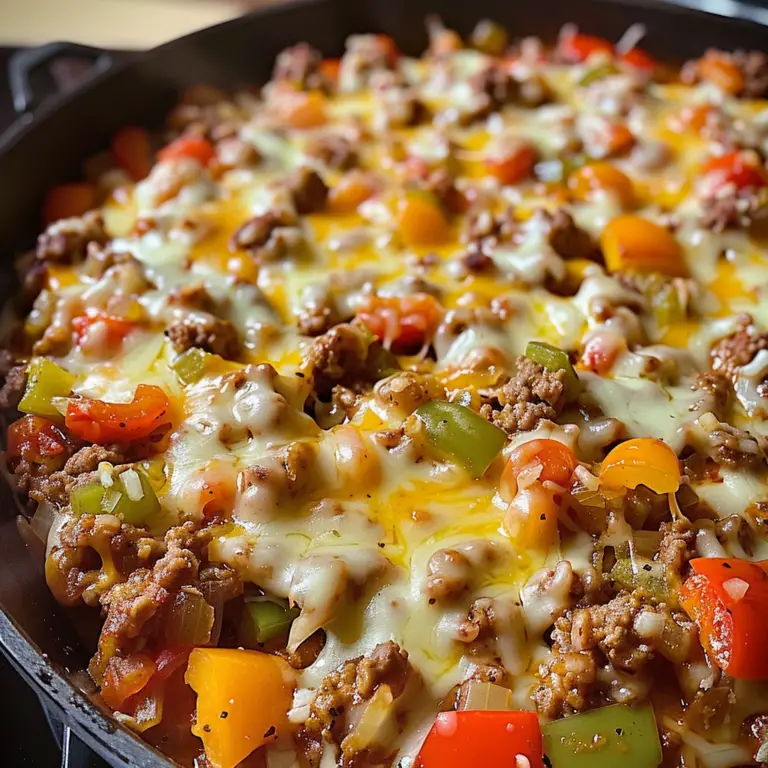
{"points": [[639, 59], [580, 47], [131, 151], [727, 598], [100, 422], [735, 168], [195, 147], [487, 739], [38, 441]]}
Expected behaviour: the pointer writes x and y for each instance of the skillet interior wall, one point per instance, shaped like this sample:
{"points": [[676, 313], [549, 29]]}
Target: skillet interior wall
{"points": [[51, 148]]}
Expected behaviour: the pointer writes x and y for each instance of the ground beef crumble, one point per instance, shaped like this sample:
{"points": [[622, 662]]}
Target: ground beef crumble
{"points": [[333, 151], [734, 208], [737, 349], [219, 337], [66, 241], [343, 355], [531, 395], [352, 684], [584, 640]]}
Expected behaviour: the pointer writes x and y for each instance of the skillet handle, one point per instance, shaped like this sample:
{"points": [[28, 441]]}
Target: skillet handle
{"points": [[23, 64]]}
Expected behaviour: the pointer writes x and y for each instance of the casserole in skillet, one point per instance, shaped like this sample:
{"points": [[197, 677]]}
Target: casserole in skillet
{"points": [[437, 386]]}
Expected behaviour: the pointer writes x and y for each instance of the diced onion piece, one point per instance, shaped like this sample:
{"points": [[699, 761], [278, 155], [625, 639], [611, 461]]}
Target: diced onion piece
{"points": [[132, 484], [736, 588], [479, 695]]}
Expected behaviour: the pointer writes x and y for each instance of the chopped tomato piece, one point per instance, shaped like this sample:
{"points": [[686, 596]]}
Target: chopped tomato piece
{"points": [[601, 352], [741, 169], [38, 441], [491, 739], [116, 328], [553, 460], [131, 151], [727, 598], [329, 68], [100, 422], [403, 324], [514, 164], [639, 59], [125, 676], [66, 200], [194, 147], [580, 47], [390, 48]]}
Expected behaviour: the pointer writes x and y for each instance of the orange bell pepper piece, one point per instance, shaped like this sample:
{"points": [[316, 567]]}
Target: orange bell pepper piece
{"points": [[194, 147], [243, 698], [718, 68], [97, 421], [66, 200], [602, 177], [303, 110], [514, 164], [131, 152], [641, 461], [727, 597], [352, 189], [633, 243], [421, 219]]}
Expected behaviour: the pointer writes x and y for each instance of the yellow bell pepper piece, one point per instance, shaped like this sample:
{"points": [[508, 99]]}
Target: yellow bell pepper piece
{"points": [[243, 698], [632, 243], [584, 182], [641, 461]]}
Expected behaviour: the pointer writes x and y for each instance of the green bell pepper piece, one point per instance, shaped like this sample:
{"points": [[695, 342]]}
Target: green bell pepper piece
{"points": [[489, 38], [555, 359], [190, 366], [648, 575], [142, 509], [618, 736], [666, 306], [45, 381], [87, 499], [598, 73], [264, 620], [462, 434]]}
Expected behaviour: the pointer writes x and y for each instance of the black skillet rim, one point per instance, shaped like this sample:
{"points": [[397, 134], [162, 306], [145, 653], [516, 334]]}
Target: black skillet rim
{"points": [[96, 728]]}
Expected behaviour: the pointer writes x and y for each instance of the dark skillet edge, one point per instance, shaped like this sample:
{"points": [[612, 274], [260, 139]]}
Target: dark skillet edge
{"points": [[27, 122], [99, 731]]}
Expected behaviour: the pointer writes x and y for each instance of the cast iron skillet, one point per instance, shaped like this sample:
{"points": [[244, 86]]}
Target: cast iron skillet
{"points": [[41, 639]]}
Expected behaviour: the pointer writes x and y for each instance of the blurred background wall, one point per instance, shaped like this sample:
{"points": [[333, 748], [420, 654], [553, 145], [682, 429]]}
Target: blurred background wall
{"points": [[112, 23]]}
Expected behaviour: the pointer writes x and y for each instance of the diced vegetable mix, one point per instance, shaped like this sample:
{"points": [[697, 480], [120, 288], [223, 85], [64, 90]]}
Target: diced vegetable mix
{"points": [[447, 210]]}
